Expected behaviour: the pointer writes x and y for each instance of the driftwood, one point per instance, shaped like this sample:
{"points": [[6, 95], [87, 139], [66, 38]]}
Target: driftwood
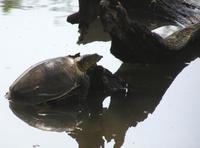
{"points": [[133, 42], [151, 13], [129, 24], [154, 13]]}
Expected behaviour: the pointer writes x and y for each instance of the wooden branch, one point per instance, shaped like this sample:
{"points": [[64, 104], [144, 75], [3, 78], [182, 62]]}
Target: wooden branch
{"points": [[133, 42], [151, 13]]}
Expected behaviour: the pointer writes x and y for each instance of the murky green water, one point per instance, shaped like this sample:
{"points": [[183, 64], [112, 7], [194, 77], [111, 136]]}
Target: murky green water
{"points": [[33, 31]]}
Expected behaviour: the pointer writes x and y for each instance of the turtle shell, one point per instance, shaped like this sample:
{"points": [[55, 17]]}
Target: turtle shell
{"points": [[48, 80]]}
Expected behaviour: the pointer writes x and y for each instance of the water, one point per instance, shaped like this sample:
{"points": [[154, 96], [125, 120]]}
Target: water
{"points": [[33, 31]]}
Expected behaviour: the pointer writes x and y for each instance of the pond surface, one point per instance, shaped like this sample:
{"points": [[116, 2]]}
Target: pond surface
{"points": [[33, 31]]}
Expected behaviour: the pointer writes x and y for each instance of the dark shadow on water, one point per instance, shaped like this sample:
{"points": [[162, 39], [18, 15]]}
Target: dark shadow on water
{"points": [[147, 84]]}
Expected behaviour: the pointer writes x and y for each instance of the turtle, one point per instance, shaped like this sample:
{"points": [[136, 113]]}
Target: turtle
{"points": [[53, 79]]}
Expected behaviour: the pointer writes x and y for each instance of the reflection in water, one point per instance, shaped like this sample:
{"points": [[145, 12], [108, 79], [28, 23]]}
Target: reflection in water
{"points": [[55, 5], [147, 85], [8, 4], [49, 118]]}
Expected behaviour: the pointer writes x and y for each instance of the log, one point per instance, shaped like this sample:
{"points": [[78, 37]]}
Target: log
{"points": [[163, 12], [133, 42], [151, 13]]}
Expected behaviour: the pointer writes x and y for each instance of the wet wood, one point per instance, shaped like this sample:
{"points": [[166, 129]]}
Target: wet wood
{"points": [[151, 13], [133, 42]]}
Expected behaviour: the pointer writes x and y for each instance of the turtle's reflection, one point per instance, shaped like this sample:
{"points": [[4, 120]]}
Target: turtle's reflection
{"points": [[46, 117], [147, 85]]}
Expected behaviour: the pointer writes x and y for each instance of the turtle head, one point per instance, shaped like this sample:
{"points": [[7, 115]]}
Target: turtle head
{"points": [[86, 61]]}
